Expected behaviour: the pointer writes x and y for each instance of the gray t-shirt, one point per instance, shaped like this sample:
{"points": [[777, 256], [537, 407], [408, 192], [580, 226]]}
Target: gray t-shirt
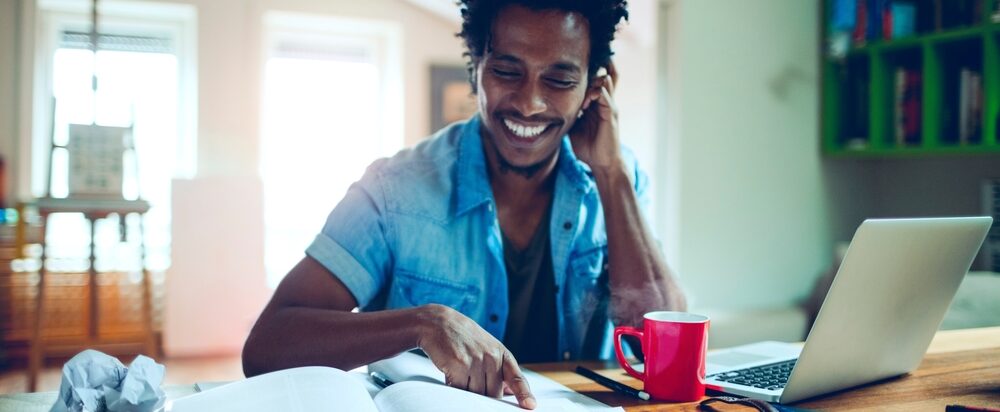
{"points": [[532, 328]]}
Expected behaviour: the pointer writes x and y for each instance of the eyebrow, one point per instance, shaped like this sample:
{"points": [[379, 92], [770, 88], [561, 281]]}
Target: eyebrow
{"points": [[561, 66]]}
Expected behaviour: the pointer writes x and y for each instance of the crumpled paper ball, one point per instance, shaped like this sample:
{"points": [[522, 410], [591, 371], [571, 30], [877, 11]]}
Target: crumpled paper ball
{"points": [[95, 382]]}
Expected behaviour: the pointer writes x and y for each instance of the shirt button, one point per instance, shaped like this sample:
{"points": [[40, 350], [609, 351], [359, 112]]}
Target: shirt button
{"points": [[566, 355], [568, 225], [494, 317]]}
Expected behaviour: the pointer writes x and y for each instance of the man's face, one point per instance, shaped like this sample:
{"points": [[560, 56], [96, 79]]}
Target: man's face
{"points": [[532, 82]]}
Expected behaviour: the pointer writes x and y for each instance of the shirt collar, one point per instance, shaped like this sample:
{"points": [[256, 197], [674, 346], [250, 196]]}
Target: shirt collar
{"points": [[473, 184]]}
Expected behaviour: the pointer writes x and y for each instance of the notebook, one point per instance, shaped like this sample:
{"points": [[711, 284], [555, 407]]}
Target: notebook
{"points": [[418, 387], [883, 308]]}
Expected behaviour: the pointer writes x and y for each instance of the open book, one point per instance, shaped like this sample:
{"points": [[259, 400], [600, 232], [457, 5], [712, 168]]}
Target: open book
{"points": [[419, 387]]}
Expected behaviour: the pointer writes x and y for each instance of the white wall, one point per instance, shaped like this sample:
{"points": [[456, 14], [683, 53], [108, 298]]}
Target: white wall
{"points": [[8, 89], [746, 183], [230, 61]]}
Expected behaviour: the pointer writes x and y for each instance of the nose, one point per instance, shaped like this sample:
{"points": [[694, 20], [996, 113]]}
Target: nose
{"points": [[529, 99]]}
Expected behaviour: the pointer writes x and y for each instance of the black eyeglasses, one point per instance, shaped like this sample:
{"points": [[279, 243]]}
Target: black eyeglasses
{"points": [[757, 404]]}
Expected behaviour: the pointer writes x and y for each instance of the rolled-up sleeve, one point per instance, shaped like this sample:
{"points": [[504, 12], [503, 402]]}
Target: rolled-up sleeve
{"points": [[353, 243]]}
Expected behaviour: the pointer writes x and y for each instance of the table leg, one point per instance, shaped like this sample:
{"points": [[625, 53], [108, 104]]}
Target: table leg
{"points": [[94, 297], [35, 356], [147, 294]]}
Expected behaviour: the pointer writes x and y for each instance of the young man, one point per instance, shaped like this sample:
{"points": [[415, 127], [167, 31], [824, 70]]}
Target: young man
{"points": [[515, 236]]}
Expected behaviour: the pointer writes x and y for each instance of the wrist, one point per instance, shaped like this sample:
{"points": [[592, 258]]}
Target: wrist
{"points": [[613, 174], [428, 320]]}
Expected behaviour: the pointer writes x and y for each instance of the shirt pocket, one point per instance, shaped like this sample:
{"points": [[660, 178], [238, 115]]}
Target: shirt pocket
{"points": [[588, 266], [414, 289], [587, 285]]}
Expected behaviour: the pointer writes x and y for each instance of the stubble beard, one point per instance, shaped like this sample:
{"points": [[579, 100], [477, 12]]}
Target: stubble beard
{"points": [[527, 171]]}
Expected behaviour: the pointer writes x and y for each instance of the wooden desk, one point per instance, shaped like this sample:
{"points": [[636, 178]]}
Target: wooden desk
{"points": [[961, 367]]}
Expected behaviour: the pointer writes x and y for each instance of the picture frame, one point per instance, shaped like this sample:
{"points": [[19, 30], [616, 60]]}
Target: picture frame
{"points": [[96, 160], [451, 96]]}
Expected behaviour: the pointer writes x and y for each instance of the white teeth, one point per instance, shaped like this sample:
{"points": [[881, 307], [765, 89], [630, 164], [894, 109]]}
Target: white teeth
{"points": [[524, 131]]}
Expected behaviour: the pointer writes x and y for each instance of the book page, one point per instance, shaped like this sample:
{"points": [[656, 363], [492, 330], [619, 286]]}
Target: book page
{"points": [[415, 396], [410, 367], [359, 374], [307, 389]]}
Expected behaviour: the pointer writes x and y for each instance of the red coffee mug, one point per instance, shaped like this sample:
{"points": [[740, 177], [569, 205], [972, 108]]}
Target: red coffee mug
{"points": [[674, 345]]}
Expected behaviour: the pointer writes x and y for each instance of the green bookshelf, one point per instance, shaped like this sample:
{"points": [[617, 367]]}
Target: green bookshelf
{"points": [[868, 88]]}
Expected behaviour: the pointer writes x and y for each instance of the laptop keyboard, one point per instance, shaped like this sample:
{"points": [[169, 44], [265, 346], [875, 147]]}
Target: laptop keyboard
{"points": [[771, 377]]}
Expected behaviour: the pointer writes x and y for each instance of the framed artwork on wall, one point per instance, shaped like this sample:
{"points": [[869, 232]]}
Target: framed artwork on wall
{"points": [[451, 96]]}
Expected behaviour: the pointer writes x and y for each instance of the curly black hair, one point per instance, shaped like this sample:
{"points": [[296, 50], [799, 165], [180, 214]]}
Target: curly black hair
{"points": [[602, 15]]}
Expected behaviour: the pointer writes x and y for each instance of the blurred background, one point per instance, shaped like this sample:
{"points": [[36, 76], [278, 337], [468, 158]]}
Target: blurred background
{"points": [[770, 128]]}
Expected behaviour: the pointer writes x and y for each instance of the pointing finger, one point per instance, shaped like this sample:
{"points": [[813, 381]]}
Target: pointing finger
{"points": [[515, 380]]}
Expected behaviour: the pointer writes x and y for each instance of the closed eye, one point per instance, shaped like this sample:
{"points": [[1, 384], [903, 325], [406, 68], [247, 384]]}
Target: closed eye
{"points": [[562, 84], [504, 73]]}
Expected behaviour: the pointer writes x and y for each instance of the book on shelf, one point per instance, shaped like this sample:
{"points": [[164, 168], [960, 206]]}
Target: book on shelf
{"points": [[418, 386], [870, 18], [970, 106], [901, 20], [907, 106], [862, 21], [876, 10], [842, 20]]}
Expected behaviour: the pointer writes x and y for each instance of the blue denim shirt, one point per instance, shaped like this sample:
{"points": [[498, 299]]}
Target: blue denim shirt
{"points": [[421, 227]]}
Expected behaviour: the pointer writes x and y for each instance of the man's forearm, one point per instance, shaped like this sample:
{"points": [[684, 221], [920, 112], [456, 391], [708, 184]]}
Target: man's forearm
{"points": [[293, 336], [640, 279]]}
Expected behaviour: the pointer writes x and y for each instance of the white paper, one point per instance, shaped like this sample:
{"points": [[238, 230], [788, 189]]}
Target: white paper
{"points": [[415, 396], [418, 387], [94, 381], [410, 367], [307, 389]]}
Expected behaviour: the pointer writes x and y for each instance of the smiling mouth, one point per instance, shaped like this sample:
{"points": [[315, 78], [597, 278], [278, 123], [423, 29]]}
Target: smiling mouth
{"points": [[524, 131]]}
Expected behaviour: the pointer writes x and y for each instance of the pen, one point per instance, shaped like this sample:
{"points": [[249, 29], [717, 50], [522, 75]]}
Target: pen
{"points": [[963, 408], [615, 385], [380, 379]]}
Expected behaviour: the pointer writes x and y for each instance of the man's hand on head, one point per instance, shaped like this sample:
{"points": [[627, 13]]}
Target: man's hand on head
{"points": [[595, 134], [470, 357]]}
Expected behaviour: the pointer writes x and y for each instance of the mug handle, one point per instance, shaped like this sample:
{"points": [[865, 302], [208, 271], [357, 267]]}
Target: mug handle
{"points": [[627, 330]]}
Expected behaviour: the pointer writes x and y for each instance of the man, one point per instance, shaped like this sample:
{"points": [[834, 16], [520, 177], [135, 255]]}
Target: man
{"points": [[496, 241]]}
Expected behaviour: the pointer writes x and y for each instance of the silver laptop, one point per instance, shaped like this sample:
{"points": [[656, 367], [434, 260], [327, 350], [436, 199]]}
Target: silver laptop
{"points": [[885, 304]]}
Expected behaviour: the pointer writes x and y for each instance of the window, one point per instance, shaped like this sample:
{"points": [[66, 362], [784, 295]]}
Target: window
{"points": [[331, 105], [143, 80]]}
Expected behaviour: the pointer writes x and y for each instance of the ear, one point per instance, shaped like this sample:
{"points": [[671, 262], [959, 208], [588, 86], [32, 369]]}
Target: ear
{"points": [[594, 85], [593, 93]]}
